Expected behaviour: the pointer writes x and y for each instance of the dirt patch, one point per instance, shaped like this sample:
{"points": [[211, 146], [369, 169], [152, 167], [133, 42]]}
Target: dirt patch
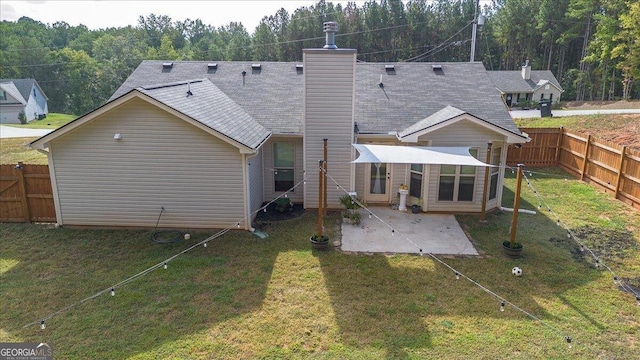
{"points": [[602, 104], [610, 246], [623, 129]]}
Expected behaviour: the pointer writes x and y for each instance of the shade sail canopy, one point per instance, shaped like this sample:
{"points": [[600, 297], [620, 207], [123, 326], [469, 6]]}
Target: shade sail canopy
{"points": [[431, 155]]}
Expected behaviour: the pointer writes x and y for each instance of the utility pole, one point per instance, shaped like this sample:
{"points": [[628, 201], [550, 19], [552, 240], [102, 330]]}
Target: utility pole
{"points": [[478, 21]]}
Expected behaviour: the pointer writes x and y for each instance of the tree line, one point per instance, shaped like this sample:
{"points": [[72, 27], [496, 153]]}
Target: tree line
{"points": [[590, 45]]}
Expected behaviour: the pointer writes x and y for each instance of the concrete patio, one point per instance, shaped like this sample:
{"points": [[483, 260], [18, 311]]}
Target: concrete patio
{"points": [[433, 233]]}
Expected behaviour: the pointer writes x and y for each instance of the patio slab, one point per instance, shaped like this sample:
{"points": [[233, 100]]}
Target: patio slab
{"points": [[433, 233]]}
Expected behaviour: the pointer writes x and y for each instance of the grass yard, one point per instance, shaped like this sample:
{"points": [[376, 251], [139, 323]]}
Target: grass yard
{"points": [[52, 121], [12, 150], [244, 297]]}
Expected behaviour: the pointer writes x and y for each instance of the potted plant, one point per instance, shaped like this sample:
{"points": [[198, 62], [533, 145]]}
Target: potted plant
{"points": [[417, 207], [351, 213], [319, 242], [512, 249]]}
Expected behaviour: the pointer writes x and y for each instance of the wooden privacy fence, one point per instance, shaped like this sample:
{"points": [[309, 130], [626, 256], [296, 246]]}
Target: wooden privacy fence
{"points": [[26, 194], [609, 166]]}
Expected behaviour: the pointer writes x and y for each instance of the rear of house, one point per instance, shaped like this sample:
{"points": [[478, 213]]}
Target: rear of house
{"points": [[211, 141], [21, 96]]}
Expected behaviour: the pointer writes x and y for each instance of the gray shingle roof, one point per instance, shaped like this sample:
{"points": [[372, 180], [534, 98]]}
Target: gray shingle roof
{"points": [[24, 86], [202, 101], [445, 114], [512, 81], [273, 95], [10, 88]]}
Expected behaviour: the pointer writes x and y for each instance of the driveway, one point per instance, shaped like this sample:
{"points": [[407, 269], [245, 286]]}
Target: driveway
{"points": [[433, 233], [15, 132], [527, 114]]}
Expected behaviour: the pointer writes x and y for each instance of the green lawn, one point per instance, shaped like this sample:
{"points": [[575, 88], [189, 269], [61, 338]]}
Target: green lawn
{"points": [[13, 150], [244, 297], [52, 121]]}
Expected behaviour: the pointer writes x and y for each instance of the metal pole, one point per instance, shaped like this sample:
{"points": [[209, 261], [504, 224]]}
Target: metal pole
{"points": [[516, 204], [324, 190], [474, 31], [320, 225]]}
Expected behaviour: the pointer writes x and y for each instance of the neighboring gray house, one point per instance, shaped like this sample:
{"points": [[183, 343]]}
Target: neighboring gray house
{"points": [[21, 95], [211, 141], [519, 87]]}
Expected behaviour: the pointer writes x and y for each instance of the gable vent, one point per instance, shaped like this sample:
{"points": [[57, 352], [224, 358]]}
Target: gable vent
{"points": [[167, 65], [436, 67], [299, 67], [212, 66], [390, 67], [256, 66]]}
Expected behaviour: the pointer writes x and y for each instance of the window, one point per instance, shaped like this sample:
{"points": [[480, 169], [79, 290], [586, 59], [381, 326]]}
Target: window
{"points": [[541, 96], [546, 87], [551, 97], [495, 171], [415, 183], [457, 182], [3, 95], [283, 166]]}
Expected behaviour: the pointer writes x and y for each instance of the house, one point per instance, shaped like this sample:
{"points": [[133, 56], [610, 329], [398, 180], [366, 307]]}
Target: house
{"points": [[21, 96], [520, 88], [210, 142]]}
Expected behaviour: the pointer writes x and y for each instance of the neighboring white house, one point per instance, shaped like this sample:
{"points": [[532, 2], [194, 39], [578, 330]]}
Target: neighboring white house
{"points": [[211, 141], [522, 87], [21, 95]]}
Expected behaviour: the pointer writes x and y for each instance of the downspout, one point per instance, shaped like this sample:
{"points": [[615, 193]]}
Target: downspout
{"points": [[247, 193]]}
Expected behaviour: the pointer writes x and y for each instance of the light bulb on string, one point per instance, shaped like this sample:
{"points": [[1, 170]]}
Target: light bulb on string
{"points": [[581, 248], [393, 232], [204, 244], [638, 299], [597, 263], [502, 306], [43, 325], [568, 339], [457, 276], [275, 172], [370, 215], [285, 195], [166, 266], [113, 292], [265, 209], [568, 234], [615, 280], [238, 225]]}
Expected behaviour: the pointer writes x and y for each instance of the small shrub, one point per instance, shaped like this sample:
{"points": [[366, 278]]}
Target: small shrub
{"points": [[283, 205], [22, 117]]}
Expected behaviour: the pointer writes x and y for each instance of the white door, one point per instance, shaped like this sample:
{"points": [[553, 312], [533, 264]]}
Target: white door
{"points": [[377, 183]]}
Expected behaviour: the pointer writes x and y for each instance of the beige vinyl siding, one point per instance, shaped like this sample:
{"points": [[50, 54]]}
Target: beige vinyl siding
{"points": [[461, 133], [329, 77], [297, 196], [161, 161], [256, 182]]}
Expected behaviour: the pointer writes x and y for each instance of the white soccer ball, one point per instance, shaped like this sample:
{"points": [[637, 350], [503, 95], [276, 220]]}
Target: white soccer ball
{"points": [[516, 271]]}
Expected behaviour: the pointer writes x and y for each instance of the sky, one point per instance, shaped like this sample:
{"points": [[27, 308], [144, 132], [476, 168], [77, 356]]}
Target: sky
{"points": [[102, 14]]}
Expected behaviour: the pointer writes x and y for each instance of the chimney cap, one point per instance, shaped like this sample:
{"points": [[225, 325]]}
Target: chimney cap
{"points": [[330, 26]]}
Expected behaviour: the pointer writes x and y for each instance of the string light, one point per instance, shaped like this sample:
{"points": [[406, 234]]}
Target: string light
{"points": [[615, 280], [568, 339], [502, 306], [113, 292], [285, 195], [165, 266], [43, 325], [393, 232], [597, 263], [265, 209], [638, 299], [238, 225], [204, 244], [370, 215], [457, 276]]}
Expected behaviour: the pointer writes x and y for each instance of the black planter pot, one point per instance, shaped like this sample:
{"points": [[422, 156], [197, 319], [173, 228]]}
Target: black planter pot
{"points": [[319, 244], [512, 253], [415, 209]]}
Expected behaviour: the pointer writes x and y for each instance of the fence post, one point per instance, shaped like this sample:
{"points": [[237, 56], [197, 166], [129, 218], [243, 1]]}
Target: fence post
{"points": [[619, 176], [23, 192], [559, 145], [586, 156]]}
